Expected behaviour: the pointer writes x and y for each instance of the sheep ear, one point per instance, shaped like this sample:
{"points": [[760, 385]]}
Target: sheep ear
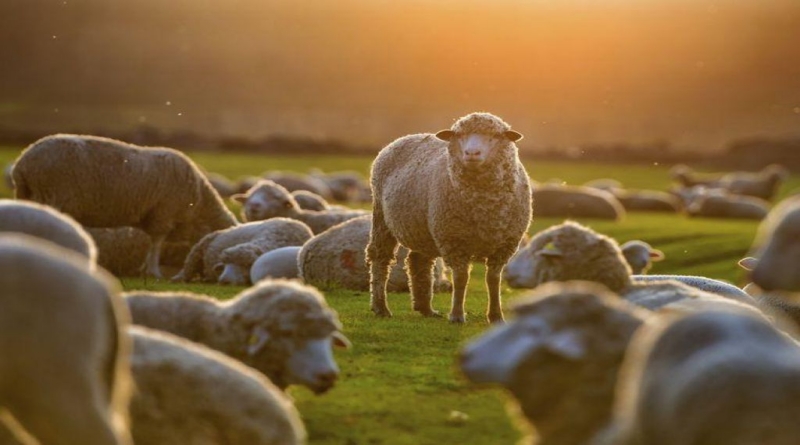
{"points": [[340, 341], [258, 339], [445, 135], [748, 263], [568, 344], [239, 197], [550, 250], [513, 136], [656, 255]]}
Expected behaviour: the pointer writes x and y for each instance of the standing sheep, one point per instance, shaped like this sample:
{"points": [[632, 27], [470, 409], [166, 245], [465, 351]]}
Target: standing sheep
{"points": [[461, 194], [777, 248], [640, 256], [191, 395], [227, 255], [266, 199], [281, 328], [45, 222], [102, 182], [64, 374], [567, 201], [336, 258], [714, 377]]}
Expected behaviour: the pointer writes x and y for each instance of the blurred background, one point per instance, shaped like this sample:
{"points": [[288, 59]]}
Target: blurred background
{"points": [[577, 77]]}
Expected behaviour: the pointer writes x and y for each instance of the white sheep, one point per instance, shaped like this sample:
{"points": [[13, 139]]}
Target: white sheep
{"points": [[278, 263], [640, 256], [102, 182], [461, 194], [227, 255], [190, 394], [777, 247], [283, 329], [336, 258], [715, 377], [47, 223], [720, 204], [64, 374], [568, 201], [267, 199]]}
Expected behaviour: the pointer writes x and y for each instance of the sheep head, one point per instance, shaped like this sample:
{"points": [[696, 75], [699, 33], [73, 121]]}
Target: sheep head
{"points": [[476, 139], [266, 200]]}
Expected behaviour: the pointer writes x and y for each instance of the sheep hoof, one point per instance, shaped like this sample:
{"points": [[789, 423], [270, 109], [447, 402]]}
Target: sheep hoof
{"points": [[460, 319], [383, 312], [495, 318]]}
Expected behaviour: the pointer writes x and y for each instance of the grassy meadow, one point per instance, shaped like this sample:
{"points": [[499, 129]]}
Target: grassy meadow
{"points": [[399, 383]]}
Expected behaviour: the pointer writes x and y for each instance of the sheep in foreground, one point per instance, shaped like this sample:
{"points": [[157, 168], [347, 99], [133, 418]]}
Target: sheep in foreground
{"points": [[189, 394], [777, 248], [227, 255], [122, 250], [336, 258], [298, 181], [267, 200], [102, 182], [64, 371], [567, 201], [764, 184], [715, 377], [278, 263], [310, 201], [461, 194], [559, 358], [720, 204], [283, 329], [47, 223], [640, 256]]}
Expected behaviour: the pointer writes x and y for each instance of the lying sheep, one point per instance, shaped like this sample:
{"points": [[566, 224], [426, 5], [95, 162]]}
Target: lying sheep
{"points": [[640, 256], [47, 223], [267, 200], [227, 255], [278, 263], [336, 258], [764, 184], [718, 204], [297, 181], [283, 329], [570, 251], [568, 201], [310, 201], [461, 194], [777, 247], [189, 394], [158, 190], [715, 377], [64, 374], [122, 250]]}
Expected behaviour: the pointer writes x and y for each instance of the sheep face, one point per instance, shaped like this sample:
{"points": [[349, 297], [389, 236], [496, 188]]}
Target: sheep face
{"points": [[473, 150], [267, 200], [640, 256]]}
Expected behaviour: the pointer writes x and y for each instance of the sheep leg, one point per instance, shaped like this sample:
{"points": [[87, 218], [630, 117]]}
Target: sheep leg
{"points": [[151, 263], [380, 256], [420, 272], [494, 270], [460, 280]]}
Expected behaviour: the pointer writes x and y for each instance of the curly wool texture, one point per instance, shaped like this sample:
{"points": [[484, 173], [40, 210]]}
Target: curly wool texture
{"points": [[56, 313], [717, 377], [47, 223], [247, 240], [567, 201], [336, 258], [288, 311], [189, 394]]}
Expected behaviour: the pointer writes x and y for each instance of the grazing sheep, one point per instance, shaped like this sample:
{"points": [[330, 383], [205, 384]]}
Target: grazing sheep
{"points": [[713, 377], [764, 184], [267, 200], [559, 358], [227, 255], [278, 263], [345, 186], [106, 183], [297, 181], [189, 394], [47, 223], [122, 250], [64, 374], [283, 329], [640, 256], [647, 201], [310, 201], [684, 175], [336, 258], [461, 194], [568, 201], [720, 204], [777, 247], [570, 251]]}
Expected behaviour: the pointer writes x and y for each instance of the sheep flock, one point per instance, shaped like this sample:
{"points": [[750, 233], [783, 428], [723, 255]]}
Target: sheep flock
{"points": [[98, 347]]}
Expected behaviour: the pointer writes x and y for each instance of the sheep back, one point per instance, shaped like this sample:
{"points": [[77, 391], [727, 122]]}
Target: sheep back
{"points": [[564, 201]]}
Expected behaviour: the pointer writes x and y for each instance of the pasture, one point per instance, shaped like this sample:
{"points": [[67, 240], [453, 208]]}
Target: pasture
{"points": [[399, 383]]}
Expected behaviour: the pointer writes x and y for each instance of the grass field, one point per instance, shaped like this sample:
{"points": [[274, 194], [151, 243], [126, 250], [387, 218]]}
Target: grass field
{"points": [[399, 383]]}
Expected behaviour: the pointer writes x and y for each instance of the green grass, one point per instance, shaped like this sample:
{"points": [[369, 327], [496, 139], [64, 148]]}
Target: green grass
{"points": [[399, 383]]}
